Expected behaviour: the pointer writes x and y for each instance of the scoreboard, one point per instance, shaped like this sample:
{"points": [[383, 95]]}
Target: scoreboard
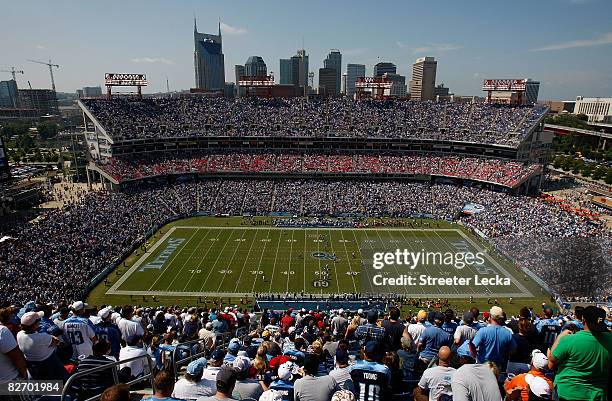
{"points": [[4, 167]]}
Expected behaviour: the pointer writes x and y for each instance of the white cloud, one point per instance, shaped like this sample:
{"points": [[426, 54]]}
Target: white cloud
{"points": [[437, 48], [399, 44], [476, 75], [153, 60], [40, 47], [604, 39], [232, 30]]}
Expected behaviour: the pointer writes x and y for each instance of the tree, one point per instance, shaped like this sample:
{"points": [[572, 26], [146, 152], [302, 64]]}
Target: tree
{"points": [[577, 166], [558, 161], [582, 117], [47, 129], [25, 142], [587, 170], [567, 164], [599, 173], [608, 178]]}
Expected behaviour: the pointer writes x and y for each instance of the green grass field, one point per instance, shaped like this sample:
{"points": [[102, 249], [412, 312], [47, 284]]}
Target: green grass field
{"points": [[224, 257]]}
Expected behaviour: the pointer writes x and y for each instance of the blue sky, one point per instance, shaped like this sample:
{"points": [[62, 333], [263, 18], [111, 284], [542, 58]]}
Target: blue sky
{"points": [[565, 44]]}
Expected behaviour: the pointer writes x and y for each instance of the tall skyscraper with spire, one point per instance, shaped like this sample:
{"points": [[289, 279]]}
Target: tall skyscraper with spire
{"points": [[208, 59]]}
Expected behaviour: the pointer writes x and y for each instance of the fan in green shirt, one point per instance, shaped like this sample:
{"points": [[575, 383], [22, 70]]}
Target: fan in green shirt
{"points": [[583, 360]]}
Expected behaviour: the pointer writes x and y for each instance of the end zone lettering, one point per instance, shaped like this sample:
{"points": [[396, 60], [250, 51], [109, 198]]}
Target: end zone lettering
{"points": [[164, 255]]}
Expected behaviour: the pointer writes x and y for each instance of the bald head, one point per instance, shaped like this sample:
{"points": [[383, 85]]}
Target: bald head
{"points": [[445, 354]]}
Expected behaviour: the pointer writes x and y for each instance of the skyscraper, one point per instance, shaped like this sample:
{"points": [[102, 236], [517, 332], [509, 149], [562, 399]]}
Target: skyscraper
{"points": [[286, 77], [353, 71], [423, 79], [299, 68], [208, 60], [328, 82], [334, 61], [239, 71], [9, 97], [383, 68], [255, 67]]}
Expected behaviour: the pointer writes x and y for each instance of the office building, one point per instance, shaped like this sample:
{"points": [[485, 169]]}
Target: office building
{"points": [[92, 91], [229, 91], [255, 67], [384, 68], [286, 76], [398, 88], [9, 96], [328, 82], [208, 60], [423, 79], [44, 101], [353, 71], [239, 72], [334, 61], [597, 109]]}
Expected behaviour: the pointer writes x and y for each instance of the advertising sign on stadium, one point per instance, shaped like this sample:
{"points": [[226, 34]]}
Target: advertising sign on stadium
{"points": [[504, 85], [114, 79]]}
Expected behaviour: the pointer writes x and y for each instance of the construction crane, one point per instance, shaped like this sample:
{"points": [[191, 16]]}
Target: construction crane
{"points": [[13, 71], [50, 65]]}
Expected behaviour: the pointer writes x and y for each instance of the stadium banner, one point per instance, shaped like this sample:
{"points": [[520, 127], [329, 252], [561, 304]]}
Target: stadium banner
{"points": [[472, 208]]}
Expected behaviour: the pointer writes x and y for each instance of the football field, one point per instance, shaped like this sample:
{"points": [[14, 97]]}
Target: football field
{"points": [[189, 260]]}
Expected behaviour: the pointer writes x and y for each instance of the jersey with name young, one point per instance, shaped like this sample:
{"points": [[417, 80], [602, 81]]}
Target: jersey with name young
{"points": [[79, 333], [371, 380]]}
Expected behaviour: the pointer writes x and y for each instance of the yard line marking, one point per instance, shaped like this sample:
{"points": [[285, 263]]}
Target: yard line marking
{"points": [[518, 284], [141, 260], [334, 264], [198, 267], [350, 261], [290, 260], [445, 244], [217, 260], [263, 251], [394, 266], [174, 255], [411, 250], [245, 262], [274, 265], [186, 261], [242, 232]]}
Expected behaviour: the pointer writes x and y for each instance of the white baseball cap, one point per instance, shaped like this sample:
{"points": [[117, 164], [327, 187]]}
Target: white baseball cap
{"points": [[79, 305], [539, 360], [538, 386], [104, 313]]}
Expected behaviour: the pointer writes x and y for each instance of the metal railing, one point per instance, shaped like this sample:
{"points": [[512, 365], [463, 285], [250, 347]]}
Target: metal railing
{"points": [[112, 365], [186, 346]]}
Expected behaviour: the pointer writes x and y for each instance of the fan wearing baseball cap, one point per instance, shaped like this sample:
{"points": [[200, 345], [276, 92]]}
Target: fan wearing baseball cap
{"points": [[190, 387], [226, 380], [583, 360], [79, 331], [519, 386], [39, 349], [494, 342]]}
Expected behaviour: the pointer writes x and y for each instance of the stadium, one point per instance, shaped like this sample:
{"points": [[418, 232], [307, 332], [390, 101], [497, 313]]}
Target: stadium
{"points": [[257, 241]]}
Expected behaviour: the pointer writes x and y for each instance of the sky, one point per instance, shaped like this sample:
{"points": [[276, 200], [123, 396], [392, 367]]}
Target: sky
{"points": [[564, 44]]}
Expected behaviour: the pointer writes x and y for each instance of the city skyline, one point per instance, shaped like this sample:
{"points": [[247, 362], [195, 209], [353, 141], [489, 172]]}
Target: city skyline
{"points": [[570, 58]]}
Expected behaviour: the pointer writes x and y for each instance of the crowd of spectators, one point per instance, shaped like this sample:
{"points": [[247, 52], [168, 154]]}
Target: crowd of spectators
{"points": [[240, 353], [65, 249], [502, 172], [129, 118]]}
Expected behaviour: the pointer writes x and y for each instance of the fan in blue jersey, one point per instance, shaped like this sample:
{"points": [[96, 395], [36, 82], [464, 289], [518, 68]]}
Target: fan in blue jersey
{"points": [[109, 331], [371, 378], [79, 331], [296, 354]]}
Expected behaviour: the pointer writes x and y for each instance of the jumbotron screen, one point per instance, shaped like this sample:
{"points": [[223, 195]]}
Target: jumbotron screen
{"points": [[4, 167]]}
